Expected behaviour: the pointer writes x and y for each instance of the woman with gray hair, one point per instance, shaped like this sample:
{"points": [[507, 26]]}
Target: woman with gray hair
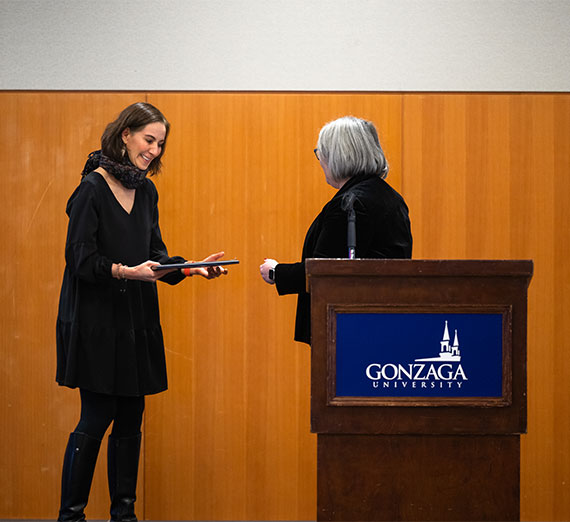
{"points": [[350, 154]]}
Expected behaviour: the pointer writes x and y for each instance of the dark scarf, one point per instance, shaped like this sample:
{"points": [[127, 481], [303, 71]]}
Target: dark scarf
{"points": [[130, 176]]}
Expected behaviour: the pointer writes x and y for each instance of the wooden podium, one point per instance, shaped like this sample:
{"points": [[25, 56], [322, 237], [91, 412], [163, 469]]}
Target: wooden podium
{"points": [[418, 387]]}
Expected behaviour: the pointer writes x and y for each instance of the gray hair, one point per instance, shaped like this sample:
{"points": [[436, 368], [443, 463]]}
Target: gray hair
{"points": [[350, 146]]}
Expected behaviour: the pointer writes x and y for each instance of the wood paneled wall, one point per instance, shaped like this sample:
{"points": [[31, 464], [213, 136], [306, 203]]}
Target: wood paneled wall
{"points": [[485, 176]]}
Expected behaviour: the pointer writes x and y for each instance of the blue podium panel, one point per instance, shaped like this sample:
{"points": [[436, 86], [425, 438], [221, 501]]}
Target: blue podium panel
{"points": [[423, 355]]}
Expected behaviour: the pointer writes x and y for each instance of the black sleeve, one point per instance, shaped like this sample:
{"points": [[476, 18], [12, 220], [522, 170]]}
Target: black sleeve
{"points": [[290, 278], [81, 255], [158, 250]]}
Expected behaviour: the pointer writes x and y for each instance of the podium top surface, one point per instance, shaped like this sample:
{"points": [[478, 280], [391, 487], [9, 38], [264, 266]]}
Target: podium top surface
{"points": [[419, 267]]}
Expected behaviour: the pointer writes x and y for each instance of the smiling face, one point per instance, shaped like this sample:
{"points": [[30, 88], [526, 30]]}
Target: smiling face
{"points": [[145, 144]]}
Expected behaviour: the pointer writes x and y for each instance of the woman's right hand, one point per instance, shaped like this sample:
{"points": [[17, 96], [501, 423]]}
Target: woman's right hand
{"points": [[143, 272]]}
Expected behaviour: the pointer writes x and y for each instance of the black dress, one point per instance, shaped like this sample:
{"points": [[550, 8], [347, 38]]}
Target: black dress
{"points": [[382, 231], [109, 338]]}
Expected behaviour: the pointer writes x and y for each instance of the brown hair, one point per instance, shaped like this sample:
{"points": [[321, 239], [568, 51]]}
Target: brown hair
{"points": [[134, 117]]}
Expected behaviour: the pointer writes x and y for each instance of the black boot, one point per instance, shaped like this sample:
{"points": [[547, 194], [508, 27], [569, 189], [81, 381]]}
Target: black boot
{"points": [[123, 466], [78, 467]]}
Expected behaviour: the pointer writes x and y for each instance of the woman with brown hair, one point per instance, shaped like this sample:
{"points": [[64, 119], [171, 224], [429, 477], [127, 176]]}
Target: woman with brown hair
{"points": [[109, 338]]}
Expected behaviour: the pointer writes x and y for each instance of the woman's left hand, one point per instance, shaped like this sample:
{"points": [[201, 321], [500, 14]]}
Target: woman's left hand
{"points": [[264, 270], [210, 272]]}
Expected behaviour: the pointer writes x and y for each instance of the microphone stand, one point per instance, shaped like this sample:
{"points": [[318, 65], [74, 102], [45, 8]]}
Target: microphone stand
{"points": [[348, 206], [351, 237]]}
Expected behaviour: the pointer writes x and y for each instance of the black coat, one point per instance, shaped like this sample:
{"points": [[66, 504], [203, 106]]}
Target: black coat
{"points": [[109, 338], [382, 231]]}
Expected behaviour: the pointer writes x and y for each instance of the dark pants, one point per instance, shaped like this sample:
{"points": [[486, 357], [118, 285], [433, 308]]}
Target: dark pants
{"points": [[99, 410]]}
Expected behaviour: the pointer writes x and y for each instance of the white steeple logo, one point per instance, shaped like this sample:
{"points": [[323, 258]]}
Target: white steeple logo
{"points": [[447, 352]]}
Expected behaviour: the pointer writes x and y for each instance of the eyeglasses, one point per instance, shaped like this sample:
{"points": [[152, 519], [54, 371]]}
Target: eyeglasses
{"points": [[316, 151]]}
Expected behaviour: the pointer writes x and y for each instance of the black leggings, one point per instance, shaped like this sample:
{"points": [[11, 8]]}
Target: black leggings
{"points": [[99, 410]]}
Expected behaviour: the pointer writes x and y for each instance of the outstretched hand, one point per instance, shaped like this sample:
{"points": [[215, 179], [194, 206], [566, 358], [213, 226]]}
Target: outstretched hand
{"points": [[210, 272]]}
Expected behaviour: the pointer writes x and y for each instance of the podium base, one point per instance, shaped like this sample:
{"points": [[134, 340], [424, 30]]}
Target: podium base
{"points": [[418, 477]]}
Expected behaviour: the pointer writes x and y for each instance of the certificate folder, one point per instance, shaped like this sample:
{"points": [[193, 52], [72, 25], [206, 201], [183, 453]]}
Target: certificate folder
{"points": [[196, 265]]}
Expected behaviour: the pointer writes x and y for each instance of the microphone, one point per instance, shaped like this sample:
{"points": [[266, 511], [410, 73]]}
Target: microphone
{"points": [[348, 206]]}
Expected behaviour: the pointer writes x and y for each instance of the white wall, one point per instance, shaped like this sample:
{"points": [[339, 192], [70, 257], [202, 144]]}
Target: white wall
{"points": [[286, 45]]}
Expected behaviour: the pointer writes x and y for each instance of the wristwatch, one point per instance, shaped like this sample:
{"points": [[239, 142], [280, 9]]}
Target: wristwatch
{"points": [[271, 274]]}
